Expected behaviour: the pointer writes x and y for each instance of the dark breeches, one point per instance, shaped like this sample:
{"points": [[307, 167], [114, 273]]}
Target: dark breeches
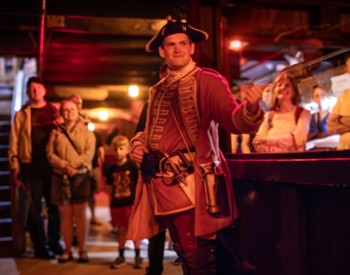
{"points": [[198, 255]]}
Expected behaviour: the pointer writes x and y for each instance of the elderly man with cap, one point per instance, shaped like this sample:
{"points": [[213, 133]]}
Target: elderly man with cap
{"points": [[186, 185], [30, 168]]}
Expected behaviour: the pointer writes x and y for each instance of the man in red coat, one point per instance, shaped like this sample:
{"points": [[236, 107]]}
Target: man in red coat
{"points": [[186, 185]]}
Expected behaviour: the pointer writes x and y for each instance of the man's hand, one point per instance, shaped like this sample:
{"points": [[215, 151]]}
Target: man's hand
{"points": [[15, 179], [70, 171], [253, 97], [137, 151]]}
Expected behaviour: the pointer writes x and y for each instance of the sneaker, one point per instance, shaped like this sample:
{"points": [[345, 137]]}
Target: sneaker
{"points": [[177, 261], [56, 249], [118, 263], [95, 222], [138, 262], [44, 254], [129, 245]]}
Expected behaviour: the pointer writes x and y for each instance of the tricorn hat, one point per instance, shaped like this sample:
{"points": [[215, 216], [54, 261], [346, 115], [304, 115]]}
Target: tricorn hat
{"points": [[172, 27]]}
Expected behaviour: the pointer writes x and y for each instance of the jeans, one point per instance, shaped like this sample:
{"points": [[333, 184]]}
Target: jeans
{"points": [[40, 188]]}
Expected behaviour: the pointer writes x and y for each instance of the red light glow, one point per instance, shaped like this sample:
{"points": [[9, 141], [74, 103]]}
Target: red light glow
{"points": [[235, 45]]}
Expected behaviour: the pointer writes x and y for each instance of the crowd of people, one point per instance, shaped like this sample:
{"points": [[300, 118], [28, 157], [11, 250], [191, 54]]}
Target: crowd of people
{"points": [[54, 156], [168, 172], [289, 127]]}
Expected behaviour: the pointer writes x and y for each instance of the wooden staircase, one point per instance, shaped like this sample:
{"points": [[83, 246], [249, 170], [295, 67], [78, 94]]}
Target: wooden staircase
{"points": [[6, 238], [11, 234]]}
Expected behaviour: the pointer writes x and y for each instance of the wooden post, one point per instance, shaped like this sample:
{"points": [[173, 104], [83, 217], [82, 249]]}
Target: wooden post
{"points": [[214, 52], [42, 39]]}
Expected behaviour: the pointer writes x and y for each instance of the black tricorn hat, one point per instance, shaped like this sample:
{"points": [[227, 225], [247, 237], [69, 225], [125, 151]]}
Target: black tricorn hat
{"points": [[172, 27]]}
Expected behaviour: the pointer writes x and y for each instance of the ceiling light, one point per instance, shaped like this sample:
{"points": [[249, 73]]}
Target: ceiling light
{"points": [[103, 115], [133, 90], [237, 45]]}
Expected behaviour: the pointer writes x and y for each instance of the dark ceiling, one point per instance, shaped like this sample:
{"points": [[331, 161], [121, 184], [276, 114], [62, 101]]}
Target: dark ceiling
{"points": [[87, 42], [90, 43]]}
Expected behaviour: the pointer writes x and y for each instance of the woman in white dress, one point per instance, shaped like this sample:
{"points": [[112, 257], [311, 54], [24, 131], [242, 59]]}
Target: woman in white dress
{"points": [[286, 125]]}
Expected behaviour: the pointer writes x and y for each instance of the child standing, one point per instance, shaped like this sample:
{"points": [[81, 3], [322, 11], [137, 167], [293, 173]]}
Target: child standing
{"points": [[122, 178]]}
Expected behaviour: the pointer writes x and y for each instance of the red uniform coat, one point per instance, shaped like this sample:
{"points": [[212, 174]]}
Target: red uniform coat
{"points": [[216, 106]]}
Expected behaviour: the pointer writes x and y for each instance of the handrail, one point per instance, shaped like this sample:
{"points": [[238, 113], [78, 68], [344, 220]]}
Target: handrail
{"points": [[313, 169]]}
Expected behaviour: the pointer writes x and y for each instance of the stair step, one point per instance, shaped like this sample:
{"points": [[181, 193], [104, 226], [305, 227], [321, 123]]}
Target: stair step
{"points": [[5, 193], [5, 105], [4, 178], [6, 89], [5, 117], [6, 246], [6, 227], [6, 239], [4, 151], [5, 125], [4, 165], [4, 138], [6, 249], [4, 121], [5, 212]]}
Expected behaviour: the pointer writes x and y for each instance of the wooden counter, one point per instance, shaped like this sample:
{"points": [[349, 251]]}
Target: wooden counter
{"points": [[295, 211]]}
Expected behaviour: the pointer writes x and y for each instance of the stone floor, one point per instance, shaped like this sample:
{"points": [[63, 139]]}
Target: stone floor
{"points": [[102, 250]]}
